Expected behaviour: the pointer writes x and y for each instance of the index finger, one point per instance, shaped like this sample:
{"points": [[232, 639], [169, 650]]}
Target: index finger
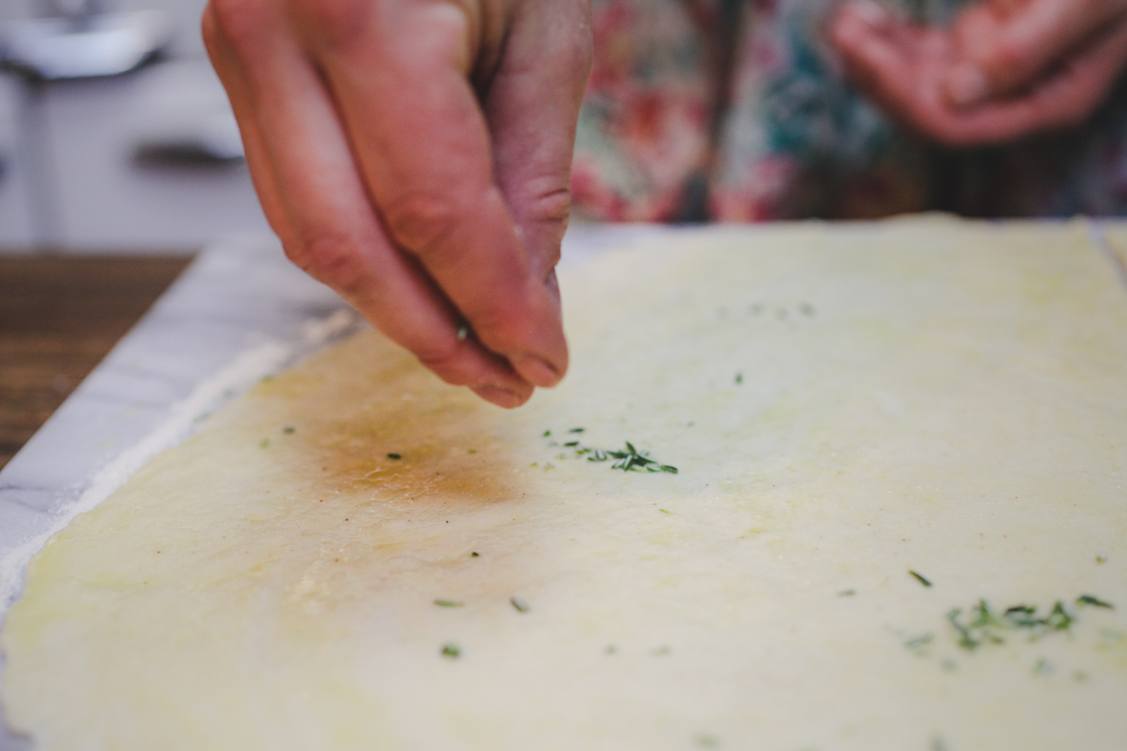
{"points": [[398, 72]]}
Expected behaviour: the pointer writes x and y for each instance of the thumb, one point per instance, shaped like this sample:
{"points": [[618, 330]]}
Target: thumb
{"points": [[532, 106], [1018, 46]]}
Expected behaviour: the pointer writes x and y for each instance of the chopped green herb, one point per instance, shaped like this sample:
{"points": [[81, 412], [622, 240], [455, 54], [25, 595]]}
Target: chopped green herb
{"points": [[394, 456], [1042, 667], [1059, 619], [1101, 560], [448, 603], [451, 651], [475, 554], [289, 430], [665, 511], [629, 459], [920, 578], [965, 638], [1094, 602], [518, 604], [847, 593], [739, 378], [264, 443], [985, 626]]}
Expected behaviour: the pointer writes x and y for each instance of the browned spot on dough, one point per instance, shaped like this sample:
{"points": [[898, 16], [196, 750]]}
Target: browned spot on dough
{"points": [[379, 400]]}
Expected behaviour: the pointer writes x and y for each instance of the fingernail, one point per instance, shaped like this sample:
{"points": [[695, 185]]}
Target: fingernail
{"points": [[536, 370], [500, 396], [966, 85]]}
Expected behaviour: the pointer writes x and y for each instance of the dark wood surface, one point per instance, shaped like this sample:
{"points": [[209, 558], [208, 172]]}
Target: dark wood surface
{"points": [[59, 316]]}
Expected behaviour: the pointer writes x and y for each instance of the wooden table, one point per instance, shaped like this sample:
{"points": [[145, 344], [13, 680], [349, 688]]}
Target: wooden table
{"points": [[59, 316]]}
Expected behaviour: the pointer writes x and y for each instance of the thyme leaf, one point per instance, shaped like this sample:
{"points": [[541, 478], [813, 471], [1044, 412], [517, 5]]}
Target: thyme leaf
{"points": [[1094, 602], [919, 577]]}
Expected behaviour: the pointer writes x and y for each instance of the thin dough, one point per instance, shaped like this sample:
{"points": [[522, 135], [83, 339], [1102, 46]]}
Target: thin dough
{"points": [[843, 404]]}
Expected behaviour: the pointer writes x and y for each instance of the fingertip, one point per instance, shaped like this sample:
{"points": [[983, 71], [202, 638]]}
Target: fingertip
{"points": [[503, 397], [537, 370]]}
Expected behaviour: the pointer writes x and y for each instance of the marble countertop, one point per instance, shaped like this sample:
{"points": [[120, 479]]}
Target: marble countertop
{"points": [[239, 297]]}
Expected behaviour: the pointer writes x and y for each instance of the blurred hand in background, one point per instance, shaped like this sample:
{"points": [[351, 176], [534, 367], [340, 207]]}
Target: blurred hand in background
{"points": [[415, 155], [1003, 70]]}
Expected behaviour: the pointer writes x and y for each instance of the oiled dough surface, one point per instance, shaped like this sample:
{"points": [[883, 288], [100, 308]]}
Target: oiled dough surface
{"points": [[843, 405]]}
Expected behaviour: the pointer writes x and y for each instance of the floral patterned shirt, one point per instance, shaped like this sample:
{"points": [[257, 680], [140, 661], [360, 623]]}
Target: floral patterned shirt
{"points": [[738, 110]]}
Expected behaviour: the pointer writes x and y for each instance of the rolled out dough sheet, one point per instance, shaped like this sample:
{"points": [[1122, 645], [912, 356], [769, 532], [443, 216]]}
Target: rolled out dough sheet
{"points": [[843, 405]]}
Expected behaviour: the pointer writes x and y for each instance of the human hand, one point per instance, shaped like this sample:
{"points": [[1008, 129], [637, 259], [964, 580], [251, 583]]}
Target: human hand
{"points": [[414, 155], [1004, 70]]}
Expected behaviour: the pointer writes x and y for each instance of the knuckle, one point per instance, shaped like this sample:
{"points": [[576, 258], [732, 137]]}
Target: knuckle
{"points": [[424, 221], [237, 23], [331, 258], [551, 206]]}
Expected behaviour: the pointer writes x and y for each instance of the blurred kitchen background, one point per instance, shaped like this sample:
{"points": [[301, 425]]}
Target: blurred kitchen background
{"points": [[114, 132]]}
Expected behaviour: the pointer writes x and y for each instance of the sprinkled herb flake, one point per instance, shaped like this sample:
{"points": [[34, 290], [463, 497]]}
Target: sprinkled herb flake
{"points": [[394, 456], [847, 593], [918, 644], [919, 577], [442, 603], [1094, 602], [264, 443], [1101, 560], [519, 604], [450, 651], [475, 554], [739, 379], [627, 459], [289, 430], [982, 625]]}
